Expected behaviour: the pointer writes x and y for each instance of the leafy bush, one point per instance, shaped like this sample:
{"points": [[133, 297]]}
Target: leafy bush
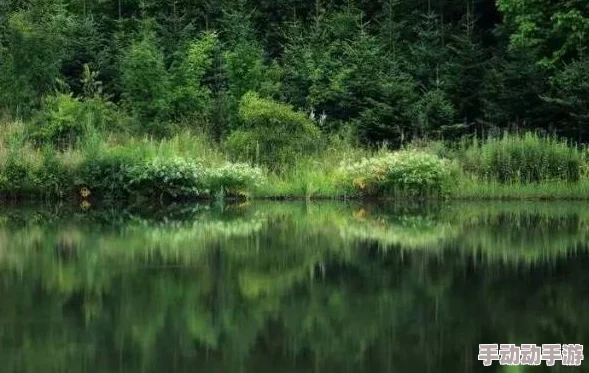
{"points": [[527, 158], [16, 177], [53, 177], [64, 119], [17, 169], [235, 178], [107, 174], [169, 178], [31, 176], [404, 173], [151, 170], [273, 133]]}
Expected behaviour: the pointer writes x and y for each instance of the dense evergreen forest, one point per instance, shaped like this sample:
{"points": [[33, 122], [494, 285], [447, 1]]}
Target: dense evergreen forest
{"points": [[385, 70], [193, 98]]}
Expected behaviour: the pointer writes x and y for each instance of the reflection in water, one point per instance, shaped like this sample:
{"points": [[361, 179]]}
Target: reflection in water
{"points": [[288, 287]]}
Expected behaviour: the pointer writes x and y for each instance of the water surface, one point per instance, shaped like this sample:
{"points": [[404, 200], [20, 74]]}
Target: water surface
{"points": [[289, 287]]}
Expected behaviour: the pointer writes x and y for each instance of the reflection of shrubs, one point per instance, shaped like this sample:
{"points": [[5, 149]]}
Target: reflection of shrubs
{"points": [[405, 173], [273, 133]]}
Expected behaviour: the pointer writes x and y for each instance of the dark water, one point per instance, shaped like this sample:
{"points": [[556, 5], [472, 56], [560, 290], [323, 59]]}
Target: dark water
{"points": [[289, 287]]}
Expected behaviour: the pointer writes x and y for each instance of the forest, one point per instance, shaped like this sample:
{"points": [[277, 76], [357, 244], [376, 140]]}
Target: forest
{"points": [[197, 98]]}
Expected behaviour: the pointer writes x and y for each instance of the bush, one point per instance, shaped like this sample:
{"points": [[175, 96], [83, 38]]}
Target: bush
{"points": [[107, 174], [64, 119], [30, 174], [273, 133], [527, 158], [16, 177], [138, 171], [53, 177], [404, 173], [18, 168], [169, 178], [235, 178]]}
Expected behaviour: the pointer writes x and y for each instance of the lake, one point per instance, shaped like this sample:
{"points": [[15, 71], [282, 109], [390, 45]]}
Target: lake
{"points": [[289, 287]]}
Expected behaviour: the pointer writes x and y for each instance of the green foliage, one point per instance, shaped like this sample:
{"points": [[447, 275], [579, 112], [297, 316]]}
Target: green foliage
{"points": [[160, 171], [16, 174], [106, 173], [169, 178], [403, 173], [387, 72], [191, 97], [54, 178], [553, 30], [569, 92], [84, 45], [30, 55], [146, 82], [28, 174], [432, 111], [512, 91], [528, 158], [234, 178], [273, 133], [64, 120], [245, 69]]}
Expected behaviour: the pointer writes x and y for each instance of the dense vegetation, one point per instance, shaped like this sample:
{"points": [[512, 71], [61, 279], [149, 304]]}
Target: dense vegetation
{"points": [[186, 99]]}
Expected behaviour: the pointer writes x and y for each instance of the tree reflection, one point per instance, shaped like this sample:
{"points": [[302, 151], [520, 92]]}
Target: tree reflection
{"points": [[288, 287]]}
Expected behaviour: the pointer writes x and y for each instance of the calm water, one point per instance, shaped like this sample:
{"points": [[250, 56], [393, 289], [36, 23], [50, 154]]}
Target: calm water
{"points": [[289, 287]]}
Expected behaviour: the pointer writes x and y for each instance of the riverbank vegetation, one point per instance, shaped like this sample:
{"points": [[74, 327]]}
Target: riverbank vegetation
{"points": [[140, 100], [187, 167]]}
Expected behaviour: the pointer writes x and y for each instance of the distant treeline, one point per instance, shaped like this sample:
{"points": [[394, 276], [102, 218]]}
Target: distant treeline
{"points": [[382, 70]]}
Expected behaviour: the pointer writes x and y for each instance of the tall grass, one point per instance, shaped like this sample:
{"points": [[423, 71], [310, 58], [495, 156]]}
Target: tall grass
{"points": [[527, 158], [314, 176], [476, 189]]}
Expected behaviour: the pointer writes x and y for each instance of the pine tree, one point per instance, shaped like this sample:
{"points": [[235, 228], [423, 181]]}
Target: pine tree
{"points": [[145, 81]]}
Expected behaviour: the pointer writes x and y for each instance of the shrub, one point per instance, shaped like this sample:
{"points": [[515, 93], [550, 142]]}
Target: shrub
{"points": [[235, 178], [16, 177], [64, 119], [60, 121], [404, 173], [167, 178], [273, 133], [53, 177], [107, 174], [17, 174], [527, 158], [160, 170]]}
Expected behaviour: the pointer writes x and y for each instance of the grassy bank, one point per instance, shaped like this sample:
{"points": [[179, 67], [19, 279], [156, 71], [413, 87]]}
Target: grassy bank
{"points": [[190, 166], [473, 189]]}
